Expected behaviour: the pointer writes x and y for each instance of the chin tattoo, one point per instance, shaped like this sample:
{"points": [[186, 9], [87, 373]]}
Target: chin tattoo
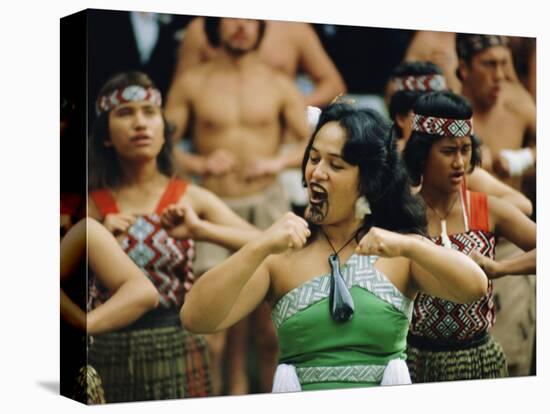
{"points": [[316, 213]]}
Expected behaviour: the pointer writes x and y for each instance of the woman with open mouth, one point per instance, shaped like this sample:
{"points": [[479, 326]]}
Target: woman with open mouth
{"points": [[342, 281], [450, 340]]}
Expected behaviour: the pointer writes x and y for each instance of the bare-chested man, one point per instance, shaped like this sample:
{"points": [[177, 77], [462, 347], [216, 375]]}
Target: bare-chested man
{"points": [[504, 112], [288, 47], [505, 120], [239, 109]]}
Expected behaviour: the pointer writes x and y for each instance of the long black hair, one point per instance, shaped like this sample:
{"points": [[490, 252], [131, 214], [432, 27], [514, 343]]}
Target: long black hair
{"points": [[444, 104], [383, 178], [104, 169]]}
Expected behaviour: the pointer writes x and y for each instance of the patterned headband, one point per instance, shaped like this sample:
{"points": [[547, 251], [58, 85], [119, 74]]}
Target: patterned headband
{"points": [[131, 93], [469, 45], [422, 83], [445, 127]]}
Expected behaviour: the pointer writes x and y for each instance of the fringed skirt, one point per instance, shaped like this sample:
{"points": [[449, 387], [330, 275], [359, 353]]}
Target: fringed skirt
{"points": [[151, 364], [478, 359], [89, 387]]}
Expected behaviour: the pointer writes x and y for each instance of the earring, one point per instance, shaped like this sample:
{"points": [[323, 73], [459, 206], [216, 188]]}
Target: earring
{"points": [[362, 207], [312, 115]]}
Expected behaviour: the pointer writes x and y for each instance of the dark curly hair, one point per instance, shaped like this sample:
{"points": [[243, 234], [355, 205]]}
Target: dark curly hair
{"points": [[212, 30], [104, 170], [402, 102], [383, 178], [444, 104]]}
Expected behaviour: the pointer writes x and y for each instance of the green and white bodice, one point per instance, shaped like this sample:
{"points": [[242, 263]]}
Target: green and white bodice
{"points": [[326, 354]]}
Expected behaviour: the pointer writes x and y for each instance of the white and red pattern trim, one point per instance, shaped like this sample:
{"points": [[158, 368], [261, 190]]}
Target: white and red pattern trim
{"points": [[446, 127], [421, 83], [288, 378], [131, 93]]}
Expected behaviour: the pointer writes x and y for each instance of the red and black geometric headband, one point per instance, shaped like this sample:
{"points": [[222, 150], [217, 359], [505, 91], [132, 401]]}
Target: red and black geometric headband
{"points": [[131, 93], [445, 127]]}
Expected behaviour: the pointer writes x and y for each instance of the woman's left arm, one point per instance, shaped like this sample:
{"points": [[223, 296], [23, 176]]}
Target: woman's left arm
{"points": [[436, 270], [509, 222], [445, 273], [514, 226]]}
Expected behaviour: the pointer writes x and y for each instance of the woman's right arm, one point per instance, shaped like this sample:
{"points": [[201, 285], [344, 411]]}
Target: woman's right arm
{"points": [[230, 291]]}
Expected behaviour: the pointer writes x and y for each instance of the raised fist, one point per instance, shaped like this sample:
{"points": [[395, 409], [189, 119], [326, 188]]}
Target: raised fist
{"points": [[289, 232], [118, 223], [383, 243], [180, 221]]}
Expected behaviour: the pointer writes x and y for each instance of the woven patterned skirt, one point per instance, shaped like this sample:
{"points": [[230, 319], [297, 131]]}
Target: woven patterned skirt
{"points": [[151, 364], [485, 360]]}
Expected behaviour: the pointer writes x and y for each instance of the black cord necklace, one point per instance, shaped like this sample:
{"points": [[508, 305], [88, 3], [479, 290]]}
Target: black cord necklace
{"points": [[340, 300]]}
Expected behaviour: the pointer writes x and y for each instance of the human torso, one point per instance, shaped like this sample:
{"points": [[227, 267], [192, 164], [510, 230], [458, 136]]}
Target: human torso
{"points": [[443, 320], [238, 111], [356, 351], [166, 261]]}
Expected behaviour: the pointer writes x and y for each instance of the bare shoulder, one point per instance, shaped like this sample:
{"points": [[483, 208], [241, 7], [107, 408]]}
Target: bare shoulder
{"points": [[282, 267], [280, 81], [195, 26], [288, 265], [276, 261], [195, 35], [301, 29], [196, 195], [191, 79], [518, 100], [181, 88], [304, 37], [287, 29]]}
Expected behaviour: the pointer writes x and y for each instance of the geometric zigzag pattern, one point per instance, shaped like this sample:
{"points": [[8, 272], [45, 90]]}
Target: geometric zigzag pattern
{"points": [[166, 261], [357, 271], [446, 127], [437, 318], [353, 373], [420, 83]]}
